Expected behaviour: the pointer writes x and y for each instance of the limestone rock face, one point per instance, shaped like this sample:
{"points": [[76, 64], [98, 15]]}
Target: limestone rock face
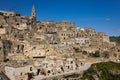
{"points": [[2, 21]]}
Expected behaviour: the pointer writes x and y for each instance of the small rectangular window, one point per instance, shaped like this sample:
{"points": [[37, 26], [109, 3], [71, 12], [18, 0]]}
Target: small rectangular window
{"points": [[21, 73], [30, 68]]}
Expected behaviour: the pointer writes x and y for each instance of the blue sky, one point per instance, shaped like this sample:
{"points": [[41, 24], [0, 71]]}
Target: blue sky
{"points": [[101, 15]]}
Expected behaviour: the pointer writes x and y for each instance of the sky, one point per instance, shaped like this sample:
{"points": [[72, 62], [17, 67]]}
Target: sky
{"points": [[101, 15]]}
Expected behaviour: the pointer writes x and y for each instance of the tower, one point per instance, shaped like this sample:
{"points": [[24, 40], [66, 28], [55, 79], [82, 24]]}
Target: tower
{"points": [[33, 12]]}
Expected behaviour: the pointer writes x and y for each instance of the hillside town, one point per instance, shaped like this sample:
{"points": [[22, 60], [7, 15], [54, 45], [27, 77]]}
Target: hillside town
{"points": [[33, 50]]}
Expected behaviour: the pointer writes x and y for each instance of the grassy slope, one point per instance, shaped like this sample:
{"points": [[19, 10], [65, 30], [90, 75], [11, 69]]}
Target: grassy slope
{"points": [[102, 71], [115, 39]]}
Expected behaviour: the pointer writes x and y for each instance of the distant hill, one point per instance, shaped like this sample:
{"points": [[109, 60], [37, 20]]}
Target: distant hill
{"points": [[115, 39], [103, 71]]}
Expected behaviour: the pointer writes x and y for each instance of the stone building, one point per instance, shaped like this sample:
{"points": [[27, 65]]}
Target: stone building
{"points": [[33, 11], [19, 70], [26, 33], [49, 43], [52, 37]]}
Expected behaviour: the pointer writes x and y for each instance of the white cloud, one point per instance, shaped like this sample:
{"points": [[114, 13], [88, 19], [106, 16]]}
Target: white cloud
{"points": [[107, 19]]}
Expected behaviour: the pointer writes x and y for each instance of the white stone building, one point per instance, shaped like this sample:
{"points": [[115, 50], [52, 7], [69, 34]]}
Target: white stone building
{"points": [[19, 71]]}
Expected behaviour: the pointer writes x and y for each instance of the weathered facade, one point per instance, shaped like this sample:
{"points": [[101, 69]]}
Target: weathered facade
{"points": [[56, 47], [25, 35]]}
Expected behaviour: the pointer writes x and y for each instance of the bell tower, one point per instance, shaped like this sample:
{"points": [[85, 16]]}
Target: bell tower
{"points": [[33, 14]]}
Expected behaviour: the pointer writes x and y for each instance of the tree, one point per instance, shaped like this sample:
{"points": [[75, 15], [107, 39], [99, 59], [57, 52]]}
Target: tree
{"points": [[84, 52], [77, 50], [96, 54]]}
